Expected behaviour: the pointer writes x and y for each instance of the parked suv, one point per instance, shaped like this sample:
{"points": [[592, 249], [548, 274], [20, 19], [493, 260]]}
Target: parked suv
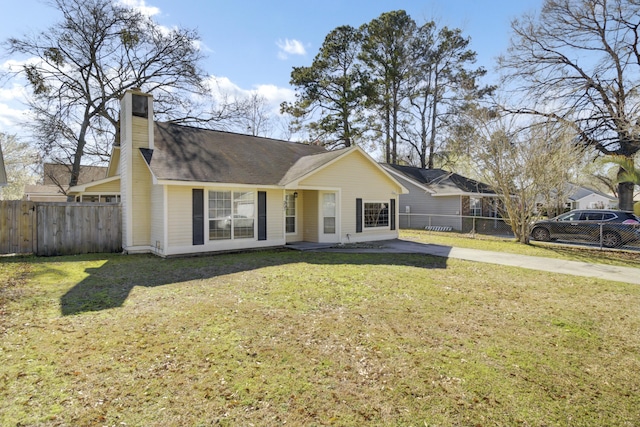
{"points": [[612, 228]]}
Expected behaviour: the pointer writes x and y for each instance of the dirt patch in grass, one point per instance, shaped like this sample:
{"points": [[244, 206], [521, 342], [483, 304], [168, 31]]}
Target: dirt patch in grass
{"points": [[306, 338]]}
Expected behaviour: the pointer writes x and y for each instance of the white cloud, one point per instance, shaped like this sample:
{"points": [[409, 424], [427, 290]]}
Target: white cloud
{"points": [[14, 93], [12, 120], [223, 89], [276, 95], [141, 6], [290, 47]]}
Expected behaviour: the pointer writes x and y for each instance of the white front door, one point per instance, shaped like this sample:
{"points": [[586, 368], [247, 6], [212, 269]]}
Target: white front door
{"points": [[329, 222]]}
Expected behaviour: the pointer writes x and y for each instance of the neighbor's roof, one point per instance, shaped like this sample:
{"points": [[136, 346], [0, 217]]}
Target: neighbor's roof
{"points": [[60, 174], [183, 153], [443, 182], [577, 192], [39, 192]]}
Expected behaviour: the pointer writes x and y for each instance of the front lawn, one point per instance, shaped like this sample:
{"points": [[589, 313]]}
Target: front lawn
{"points": [[302, 338]]}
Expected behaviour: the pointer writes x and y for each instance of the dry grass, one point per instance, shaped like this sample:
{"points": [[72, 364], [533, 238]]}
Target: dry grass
{"points": [[279, 337]]}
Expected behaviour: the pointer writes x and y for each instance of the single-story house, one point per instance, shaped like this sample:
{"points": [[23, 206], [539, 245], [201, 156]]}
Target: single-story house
{"points": [[574, 196], [441, 199], [187, 190], [587, 198], [55, 183], [43, 193]]}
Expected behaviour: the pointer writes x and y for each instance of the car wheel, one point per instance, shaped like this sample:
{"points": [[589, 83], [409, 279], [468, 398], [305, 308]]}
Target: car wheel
{"points": [[611, 239], [541, 234]]}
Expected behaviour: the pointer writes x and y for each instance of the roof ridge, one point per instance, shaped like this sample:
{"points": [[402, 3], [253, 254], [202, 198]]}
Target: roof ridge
{"points": [[171, 123]]}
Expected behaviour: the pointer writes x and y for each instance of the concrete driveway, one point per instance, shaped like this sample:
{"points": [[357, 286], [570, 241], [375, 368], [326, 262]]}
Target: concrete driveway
{"points": [[552, 265]]}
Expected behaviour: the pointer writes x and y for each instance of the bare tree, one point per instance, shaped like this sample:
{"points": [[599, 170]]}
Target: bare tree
{"points": [[256, 117], [85, 63], [578, 63], [20, 161], [526, 165]]}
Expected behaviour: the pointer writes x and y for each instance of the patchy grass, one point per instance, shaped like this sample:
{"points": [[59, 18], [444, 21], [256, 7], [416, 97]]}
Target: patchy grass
{"points": [[303, 338], [550, 250]]}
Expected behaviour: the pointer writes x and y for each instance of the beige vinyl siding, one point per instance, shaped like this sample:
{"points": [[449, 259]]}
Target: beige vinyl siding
{"points": [[140, 132], [308, 213], [180, 222], [180, 216], [112, 187], [125, 152], [358, 178], [114, 164], [157, 218], [141, 185], [275, 214]]}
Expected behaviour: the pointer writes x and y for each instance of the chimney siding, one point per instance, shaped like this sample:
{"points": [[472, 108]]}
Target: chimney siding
{"points": [[135, 177]]}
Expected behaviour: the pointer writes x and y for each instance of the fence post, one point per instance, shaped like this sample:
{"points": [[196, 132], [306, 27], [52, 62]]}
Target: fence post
{"points": [[601, 236]]}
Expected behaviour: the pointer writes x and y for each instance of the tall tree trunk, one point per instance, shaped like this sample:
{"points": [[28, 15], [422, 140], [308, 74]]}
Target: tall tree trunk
{"points": [[625, 189], [625, 196], [394, 139], [434, 110]]}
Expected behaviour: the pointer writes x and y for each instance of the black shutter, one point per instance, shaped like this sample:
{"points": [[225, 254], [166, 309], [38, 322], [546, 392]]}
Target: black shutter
{"points": [[262, 215], [392, 214], [198, 216], [358, 215]]}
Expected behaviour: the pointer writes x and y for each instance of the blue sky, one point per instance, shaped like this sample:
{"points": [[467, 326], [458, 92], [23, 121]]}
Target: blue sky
{"points": [[252, 45]]}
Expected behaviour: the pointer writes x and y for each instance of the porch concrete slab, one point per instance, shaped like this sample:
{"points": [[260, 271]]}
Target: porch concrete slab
{"points": [[309, 246], [552, 265]]}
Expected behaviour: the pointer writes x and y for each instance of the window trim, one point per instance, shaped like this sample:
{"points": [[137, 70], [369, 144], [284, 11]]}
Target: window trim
{"points": [[475, 211], [233, 214], [366, 227], [295, 213]]}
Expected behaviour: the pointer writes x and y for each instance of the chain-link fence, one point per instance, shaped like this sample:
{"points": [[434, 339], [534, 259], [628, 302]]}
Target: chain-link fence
{"points": [[493, 226], [591, 233]]}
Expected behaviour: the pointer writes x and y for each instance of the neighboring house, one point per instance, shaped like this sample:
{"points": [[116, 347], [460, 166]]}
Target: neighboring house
{"points": [[186, 190], [438, 198], [3, 171], [586, 198], [43, 193], [56, 178]]}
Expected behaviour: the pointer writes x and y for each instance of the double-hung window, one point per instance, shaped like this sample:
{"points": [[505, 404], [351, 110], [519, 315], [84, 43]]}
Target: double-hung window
{"points": [[475, 206], [376, 214], [290, 212], [231, 215]]}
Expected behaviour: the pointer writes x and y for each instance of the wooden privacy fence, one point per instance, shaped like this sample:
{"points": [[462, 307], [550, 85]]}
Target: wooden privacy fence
{"points": [[47, 228]]}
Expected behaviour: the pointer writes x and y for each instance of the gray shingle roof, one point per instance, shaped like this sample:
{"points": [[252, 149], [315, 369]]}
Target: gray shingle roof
{"points": [[442, 181], [183, 153]]}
